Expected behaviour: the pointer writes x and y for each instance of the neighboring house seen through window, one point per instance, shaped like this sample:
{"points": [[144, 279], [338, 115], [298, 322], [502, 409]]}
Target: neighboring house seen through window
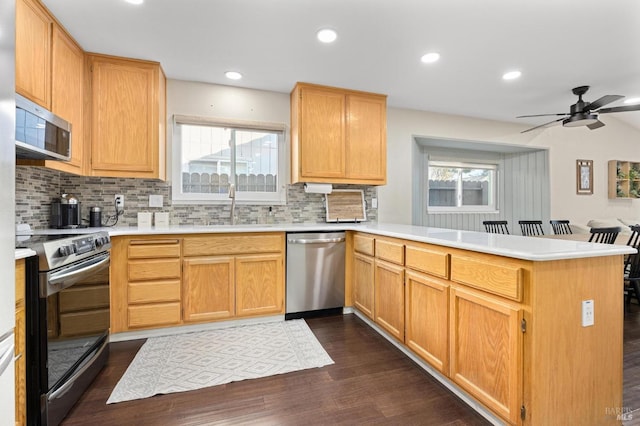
{"points": [[209, 155]]}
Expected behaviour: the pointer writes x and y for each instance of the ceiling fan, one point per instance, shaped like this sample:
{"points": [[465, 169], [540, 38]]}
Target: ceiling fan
{"points": [[584, 113]]}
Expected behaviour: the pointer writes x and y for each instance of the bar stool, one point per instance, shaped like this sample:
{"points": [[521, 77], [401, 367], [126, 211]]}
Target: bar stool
{"points": [[604, 235], [496, 226], [561, 227], [531, 227]]}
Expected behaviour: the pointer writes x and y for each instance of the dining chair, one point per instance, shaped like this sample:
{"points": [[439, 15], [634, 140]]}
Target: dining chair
{"points": [[604, 235], [632, 274], [496, 226], [633, 241], [531, 227], [561, 227]]}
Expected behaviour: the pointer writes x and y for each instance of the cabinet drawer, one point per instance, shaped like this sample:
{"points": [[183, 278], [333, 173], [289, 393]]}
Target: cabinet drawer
{"points": [[153, 269], [431, 261], [390, 251], [153, 248], [363, 244], [83, 298], [83, 323], [154, 314], [154, 291], [503, 280], [232, 244]]}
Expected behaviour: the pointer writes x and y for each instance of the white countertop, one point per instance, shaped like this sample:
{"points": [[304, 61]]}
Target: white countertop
{"points": [[22, 253], [527, 248]]}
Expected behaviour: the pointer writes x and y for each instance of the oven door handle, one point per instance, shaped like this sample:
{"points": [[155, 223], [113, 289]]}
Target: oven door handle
{"points": [[67, 278], [72, 380]]}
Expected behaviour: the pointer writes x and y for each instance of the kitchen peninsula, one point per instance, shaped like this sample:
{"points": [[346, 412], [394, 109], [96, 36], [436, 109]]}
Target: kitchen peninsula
{"points": [[497, 318]]}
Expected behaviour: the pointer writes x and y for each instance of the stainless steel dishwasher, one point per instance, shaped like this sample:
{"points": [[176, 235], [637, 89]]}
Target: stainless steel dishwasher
{"points": [[315, 273]]}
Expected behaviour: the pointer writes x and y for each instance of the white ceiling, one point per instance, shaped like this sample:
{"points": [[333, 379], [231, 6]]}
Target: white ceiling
{"points": [[557, 44]]}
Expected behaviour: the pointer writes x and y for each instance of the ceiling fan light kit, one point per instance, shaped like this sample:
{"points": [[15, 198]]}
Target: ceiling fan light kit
{"points": [[584, 113]]}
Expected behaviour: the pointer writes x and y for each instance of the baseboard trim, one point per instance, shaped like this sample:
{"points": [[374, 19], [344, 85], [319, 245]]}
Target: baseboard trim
{"points": [[180, 329]]}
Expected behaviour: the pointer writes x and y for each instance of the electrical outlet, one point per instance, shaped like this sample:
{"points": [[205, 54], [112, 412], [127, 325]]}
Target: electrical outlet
{"points": [[119, 198], [374, 203], [155, 201], [587, 313]]}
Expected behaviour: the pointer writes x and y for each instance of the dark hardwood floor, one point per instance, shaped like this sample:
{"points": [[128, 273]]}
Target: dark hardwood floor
{"points": [[371, 382]]}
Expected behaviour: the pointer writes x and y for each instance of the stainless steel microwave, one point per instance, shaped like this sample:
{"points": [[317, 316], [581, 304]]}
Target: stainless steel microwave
{"points": [[40, 134]]}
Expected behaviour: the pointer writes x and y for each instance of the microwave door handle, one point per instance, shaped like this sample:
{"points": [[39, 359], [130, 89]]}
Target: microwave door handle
{"points": [[66, 279]]}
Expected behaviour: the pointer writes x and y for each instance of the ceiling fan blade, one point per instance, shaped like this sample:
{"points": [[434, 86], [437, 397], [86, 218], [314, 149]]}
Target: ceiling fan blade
{"points": [[543, 125], [620, 109], [540, 115], [607, 99], [596, 125]]}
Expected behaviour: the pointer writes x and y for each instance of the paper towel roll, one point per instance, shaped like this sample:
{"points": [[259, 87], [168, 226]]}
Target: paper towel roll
{"points": [[318, 188]]}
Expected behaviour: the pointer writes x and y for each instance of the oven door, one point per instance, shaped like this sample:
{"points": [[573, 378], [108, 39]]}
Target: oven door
{"points": [[75, 309]]}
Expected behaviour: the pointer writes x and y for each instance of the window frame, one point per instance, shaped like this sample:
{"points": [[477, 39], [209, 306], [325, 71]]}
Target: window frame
{"points": [[493, 191], [279, 197]]}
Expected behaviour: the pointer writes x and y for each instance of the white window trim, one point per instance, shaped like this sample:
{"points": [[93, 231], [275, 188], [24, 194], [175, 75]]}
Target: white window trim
{"points": [[464, 209], [245, 198]]}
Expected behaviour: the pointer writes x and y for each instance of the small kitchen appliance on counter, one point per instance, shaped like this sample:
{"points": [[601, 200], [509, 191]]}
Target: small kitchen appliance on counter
{"points": [[95, 217], [66, 213]]}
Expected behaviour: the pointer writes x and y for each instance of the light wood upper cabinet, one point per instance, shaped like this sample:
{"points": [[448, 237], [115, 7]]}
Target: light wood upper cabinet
{"points": [[67, 96], [127, 118], [33, 54], [337, 135]]}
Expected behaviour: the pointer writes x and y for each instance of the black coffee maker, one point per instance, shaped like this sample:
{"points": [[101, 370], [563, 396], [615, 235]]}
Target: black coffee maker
{"points": [[66, 212]]}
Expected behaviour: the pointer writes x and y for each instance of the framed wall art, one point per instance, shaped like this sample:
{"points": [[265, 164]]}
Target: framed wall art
{"points": [[584, 177]]}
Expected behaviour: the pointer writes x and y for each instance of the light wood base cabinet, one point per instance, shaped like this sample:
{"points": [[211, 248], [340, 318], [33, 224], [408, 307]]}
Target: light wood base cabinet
{"points": [[389, 298], [209, 287], [165, 280], [363, 283], [486, 350], [19, 351], [427, 318], [507, 331]]}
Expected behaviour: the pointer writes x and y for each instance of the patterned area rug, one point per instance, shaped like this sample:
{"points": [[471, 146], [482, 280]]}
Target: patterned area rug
{"points": [[191, 361]]}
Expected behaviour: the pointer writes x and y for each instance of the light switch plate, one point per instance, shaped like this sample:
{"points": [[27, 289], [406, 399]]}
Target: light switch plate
{"points": [[587, 313], [156, 201]]}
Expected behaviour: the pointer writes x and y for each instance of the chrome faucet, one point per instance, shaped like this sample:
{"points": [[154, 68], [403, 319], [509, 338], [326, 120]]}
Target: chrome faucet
{"points": [[232, 195]]}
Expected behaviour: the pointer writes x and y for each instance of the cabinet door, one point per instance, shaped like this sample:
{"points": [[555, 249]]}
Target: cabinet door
{"points": [[427, 319], [486, 350], [67, 95], [208, 288], [366, 138], [33, 54], [125, 118], [259, 285], [389, 298], [322, 133], [363, 284]]}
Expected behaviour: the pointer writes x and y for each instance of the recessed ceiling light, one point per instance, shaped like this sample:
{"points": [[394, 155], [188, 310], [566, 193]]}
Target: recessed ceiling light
{"points": [[632, 101], [233, 75], [511, 75], [327, 35], [430, 58], [135, 1]]}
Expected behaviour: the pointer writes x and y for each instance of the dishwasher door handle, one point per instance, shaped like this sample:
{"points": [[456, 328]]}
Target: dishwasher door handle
{"points": [[315, 240]]}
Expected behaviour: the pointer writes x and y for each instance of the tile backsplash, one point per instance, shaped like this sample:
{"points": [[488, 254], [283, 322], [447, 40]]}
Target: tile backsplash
{"points": [[38, 187]]}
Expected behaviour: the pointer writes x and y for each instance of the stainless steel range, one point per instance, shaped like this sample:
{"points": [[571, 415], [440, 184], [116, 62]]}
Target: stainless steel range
{"points": [[67, 310]]}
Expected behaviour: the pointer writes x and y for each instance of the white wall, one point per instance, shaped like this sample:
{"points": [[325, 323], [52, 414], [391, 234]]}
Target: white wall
{"points": [[614, 141]]}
